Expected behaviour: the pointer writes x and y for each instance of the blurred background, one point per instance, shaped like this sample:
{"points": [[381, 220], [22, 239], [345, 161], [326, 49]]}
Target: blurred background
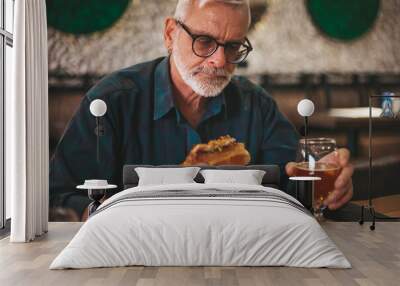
{"points": [[336, 53]]}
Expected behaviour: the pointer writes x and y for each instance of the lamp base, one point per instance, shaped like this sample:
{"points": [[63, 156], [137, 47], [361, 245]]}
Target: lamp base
{"points": [[96, 195], [92, 207], [372, 212]]}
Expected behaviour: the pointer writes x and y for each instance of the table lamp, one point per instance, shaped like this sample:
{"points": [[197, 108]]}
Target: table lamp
{"points": [[97, 188], [305, 108], [98, 108], [96, 191]]}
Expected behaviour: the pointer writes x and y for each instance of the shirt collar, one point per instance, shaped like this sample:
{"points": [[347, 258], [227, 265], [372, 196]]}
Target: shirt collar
{"points": [[164, 101]]}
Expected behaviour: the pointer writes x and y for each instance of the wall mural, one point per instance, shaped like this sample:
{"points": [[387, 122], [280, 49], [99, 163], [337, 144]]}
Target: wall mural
{"points": [[288, 42], [84, 17], [286, 35], [343, 19], [258, 12]]}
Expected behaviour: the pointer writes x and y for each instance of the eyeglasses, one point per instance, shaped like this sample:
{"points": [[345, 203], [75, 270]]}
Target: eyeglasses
{"points": [[204, 46]]}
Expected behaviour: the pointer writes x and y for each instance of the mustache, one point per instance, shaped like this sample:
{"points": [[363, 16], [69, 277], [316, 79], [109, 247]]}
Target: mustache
{"points": [[219, 72]]}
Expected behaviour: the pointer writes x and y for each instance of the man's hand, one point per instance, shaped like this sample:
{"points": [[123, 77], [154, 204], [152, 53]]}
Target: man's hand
{"points": [[343, 189]]}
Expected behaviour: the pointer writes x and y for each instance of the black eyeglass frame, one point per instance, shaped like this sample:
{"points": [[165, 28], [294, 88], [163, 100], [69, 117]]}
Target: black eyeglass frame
{"points": [[247, 44]]}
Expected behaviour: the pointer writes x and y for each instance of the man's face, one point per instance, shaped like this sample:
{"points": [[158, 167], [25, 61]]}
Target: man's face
{"points": [[208, 76]]}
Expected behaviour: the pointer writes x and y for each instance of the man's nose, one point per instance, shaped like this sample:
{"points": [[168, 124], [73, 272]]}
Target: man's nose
{"points": [[217, 59]]}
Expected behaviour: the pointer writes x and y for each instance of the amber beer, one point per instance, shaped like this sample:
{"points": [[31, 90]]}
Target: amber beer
{"points": [[328, 173]]}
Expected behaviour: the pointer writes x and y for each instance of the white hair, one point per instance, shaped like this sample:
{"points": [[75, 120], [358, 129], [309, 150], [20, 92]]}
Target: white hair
{"points": [[183, 6]]}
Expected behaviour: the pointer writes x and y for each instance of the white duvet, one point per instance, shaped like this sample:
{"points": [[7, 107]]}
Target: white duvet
{"points": [[185, 230]]}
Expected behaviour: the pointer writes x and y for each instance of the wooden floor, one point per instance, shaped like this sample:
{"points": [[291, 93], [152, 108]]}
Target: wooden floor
{"points": [[375, 256]]}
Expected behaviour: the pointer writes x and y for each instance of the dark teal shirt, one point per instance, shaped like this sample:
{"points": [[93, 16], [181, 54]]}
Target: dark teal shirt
{"points": [[143, 126]]}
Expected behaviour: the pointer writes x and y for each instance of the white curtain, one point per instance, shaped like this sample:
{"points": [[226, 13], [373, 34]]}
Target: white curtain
{"points": [[27, 147]]}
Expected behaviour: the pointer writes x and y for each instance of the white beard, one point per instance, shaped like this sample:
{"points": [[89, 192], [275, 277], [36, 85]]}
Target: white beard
{"points": [[210, 87]]}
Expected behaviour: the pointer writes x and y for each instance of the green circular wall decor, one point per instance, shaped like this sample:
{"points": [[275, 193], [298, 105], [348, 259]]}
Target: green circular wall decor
{"points": [[84, 17], [258, 11], [343, 19]]}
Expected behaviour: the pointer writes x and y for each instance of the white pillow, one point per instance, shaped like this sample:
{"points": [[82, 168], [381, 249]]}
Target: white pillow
{"points": [[248, 177], [163, 176]]}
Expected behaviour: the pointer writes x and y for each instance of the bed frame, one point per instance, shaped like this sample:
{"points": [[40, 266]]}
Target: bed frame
{"points": [[270, 179]]}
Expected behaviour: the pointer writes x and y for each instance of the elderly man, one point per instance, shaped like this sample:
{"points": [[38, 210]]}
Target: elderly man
{"points": [[158, 110]]}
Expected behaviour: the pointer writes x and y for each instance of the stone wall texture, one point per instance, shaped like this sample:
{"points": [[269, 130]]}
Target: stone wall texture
{"points": [[285, 42]]}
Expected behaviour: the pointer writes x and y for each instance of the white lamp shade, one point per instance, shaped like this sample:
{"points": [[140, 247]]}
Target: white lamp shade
{"points": [[98, 107], [305, 107]]}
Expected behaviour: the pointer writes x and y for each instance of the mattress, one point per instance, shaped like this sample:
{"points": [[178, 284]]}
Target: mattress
{"points": [[201, 225]]}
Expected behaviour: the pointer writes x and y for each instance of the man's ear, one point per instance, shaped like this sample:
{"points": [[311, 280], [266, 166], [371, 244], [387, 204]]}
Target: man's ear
{"points": [[169, 33]]}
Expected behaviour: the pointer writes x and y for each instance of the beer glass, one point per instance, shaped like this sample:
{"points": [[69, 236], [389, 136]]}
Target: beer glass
{"points": [[318, 157]]}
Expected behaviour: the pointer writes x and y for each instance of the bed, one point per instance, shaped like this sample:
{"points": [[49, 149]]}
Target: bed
{"points": [[198, 224]]}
